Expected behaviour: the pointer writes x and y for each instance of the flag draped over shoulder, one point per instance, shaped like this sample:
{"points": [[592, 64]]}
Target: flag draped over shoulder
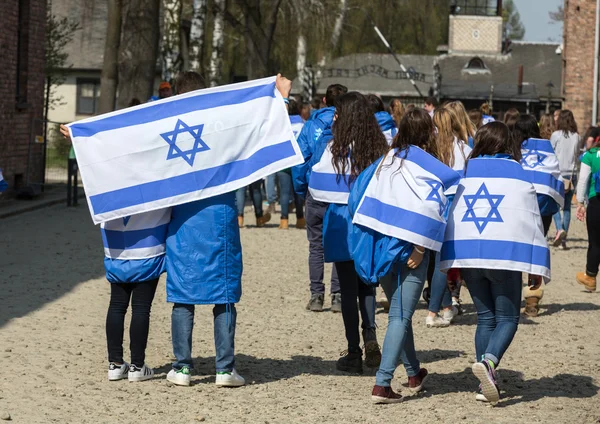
{"points": [[461, 153], [541, 164], [495, 221], [325, 185], [184, 148], [405, 198], [297, 124]]}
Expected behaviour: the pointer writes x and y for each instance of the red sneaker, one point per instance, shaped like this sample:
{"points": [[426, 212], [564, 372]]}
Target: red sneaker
{"points": [[417, 382], [382, 394]]}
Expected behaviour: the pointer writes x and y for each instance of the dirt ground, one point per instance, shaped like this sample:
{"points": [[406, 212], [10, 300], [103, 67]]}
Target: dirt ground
{"points": [[53, 302]]}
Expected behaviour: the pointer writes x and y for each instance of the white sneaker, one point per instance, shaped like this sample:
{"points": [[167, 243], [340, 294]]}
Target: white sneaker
{"points": [[179, 377], [449, 315], [117, 372], [230, 379], [140, 374], [436, 321]]}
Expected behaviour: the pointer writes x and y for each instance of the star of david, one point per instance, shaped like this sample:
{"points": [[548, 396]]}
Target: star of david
{"points": [[538, 159], [435, 194], [175, 151], [492, 216], [126, 220]]}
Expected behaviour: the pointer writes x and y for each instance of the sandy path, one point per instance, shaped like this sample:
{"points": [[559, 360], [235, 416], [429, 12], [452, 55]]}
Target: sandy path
{"points": [[53, 301]]}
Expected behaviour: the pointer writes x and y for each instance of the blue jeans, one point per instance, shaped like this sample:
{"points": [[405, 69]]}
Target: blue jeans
{"points": [[440, 295], [285, 192], [399, 342], [271, 189], [182, 324], [562, 223], [255, 193], [497, 298]]}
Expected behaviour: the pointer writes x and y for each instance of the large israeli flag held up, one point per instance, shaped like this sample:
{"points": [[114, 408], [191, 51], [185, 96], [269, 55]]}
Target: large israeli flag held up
{"points": [[405, 198], [543, 169], [495, 221], [325, 185], [187, 147]]}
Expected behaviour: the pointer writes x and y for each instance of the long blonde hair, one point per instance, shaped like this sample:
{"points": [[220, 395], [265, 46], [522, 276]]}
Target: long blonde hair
{"points": [[467, 128], [397, 110], [546, 126], [444, 139]]}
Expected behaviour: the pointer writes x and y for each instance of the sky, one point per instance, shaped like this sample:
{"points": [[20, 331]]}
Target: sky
{"points": [[534, 15]]}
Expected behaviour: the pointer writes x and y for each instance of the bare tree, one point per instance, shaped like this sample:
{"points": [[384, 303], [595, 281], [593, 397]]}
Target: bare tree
{"points": [[216, 57], [335, 35], [138, 50], [170, 55], [558, 15], [197, 35], [110, 72]]}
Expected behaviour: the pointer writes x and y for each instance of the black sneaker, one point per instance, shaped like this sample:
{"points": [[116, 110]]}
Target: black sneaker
{"points": [[350, 362], [336, 302], [315, 304], [372, 350]]}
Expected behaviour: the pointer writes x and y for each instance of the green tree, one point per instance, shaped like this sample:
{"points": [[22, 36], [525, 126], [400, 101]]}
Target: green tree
{"points": [[513, 27]]}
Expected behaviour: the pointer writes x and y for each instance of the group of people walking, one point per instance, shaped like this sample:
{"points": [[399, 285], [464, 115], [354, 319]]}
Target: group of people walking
{"points": [[391, 199]]}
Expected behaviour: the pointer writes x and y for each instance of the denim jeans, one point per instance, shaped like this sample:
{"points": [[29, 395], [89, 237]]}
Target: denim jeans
{"points": [[497, 298], [255, 192], [182, 325], [352, 288], [563, 224], [271, 189], [399, 341], [440, 295], [285, 192]]}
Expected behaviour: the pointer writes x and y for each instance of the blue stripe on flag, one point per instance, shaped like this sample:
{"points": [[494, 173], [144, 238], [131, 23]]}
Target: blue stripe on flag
{"points": [[496, 250], [176, 107], [136, 239], [296, 119], [193, 181], [329, 182], [538, 144], [496, 168], [446, 175], [403, 219], [543, 178]]}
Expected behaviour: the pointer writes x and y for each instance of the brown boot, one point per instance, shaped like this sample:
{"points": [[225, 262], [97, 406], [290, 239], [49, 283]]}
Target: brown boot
{"points": [[589, 283], [301, 223], [261, 221], [241, 221], [532, 306], [283, 224]]}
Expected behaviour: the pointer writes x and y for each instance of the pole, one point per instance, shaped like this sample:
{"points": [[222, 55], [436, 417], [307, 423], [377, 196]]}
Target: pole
{"points": [[385, 42], [596, 52]]}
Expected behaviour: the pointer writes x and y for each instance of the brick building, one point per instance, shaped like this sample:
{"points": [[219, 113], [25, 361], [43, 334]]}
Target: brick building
{"points": [[578, 59], [22, 42]]}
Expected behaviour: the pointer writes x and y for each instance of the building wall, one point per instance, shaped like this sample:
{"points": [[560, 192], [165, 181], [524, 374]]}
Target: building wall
{"points": [[578, 55], [17, 114], [476, 34]]}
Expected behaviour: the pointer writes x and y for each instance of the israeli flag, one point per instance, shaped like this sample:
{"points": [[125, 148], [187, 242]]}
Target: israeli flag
{"points": [[297, 123], [3, 183], [495, 221], [184, 148], [405, 198], [543, 169], [389, 135], [325, 185], [140, 236], [461, 153]]}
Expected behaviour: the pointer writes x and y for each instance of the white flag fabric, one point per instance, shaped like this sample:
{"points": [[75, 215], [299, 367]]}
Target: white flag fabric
{"points": [[140, 236], [184, 148], [3, 184], [405, 198], [389, 135], [543, 169], [297, 124], [325, 185], [461, 153], [495, 221]]}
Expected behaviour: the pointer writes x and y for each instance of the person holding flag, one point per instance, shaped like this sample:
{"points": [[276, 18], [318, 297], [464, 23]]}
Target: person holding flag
{"points": [[495, 233], [398, 208]]}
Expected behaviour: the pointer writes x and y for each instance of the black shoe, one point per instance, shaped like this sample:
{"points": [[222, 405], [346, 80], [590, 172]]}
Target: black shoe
{"points": [[372, 350], [350, 362], [315, 304], [336, 302]]}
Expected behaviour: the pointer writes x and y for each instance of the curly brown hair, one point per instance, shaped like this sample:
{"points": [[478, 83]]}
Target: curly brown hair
{"points": [[357, 138]]}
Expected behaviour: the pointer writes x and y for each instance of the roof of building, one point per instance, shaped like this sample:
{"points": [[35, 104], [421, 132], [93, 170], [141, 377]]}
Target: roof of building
{"points": [[541, 66], [378, 74], [86, 51]]}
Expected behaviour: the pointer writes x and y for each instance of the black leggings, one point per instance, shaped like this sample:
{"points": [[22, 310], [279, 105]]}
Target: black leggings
{"points": [[593, 228], [141, 295], [352, 288]]}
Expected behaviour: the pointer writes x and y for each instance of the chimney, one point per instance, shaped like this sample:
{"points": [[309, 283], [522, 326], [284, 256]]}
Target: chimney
{"points": [[520, 83]]}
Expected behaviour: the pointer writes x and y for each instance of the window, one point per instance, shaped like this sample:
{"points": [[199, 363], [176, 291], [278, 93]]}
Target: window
{"points": [[476, 63], [88, 96]]}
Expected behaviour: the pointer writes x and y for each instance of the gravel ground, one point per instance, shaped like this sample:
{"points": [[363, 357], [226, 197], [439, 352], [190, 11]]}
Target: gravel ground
{"points": [[53, 302]]}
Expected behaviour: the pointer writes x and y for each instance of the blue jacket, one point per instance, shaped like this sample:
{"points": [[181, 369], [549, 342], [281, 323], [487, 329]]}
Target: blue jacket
{"points": [[204, 252], [301, 173], [373, 253], [386, 122]]}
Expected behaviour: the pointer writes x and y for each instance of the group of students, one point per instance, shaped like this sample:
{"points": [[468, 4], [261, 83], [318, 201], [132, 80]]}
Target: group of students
{"points": [[379, 192]]}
